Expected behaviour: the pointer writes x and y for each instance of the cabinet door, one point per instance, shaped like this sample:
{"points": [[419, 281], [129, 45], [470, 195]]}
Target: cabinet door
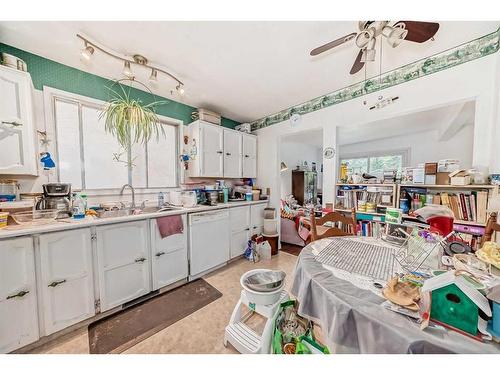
{"points": [[239, 218], [123, 262], [67, 286], [232, 154], [169, 258], [249, 156], [18, 309], [17, 128], [257, 215], [212, 148], [239, 242]]}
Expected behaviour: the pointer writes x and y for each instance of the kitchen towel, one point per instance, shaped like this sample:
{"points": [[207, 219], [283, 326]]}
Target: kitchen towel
{"points": [[169, 225]]}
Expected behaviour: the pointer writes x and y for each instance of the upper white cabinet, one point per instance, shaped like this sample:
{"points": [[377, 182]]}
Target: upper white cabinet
{"points": [[18, 302], [249, 156], [17, 124], [67, 286], [222, 152], [123, 262], [232, 154], [169, 259]]}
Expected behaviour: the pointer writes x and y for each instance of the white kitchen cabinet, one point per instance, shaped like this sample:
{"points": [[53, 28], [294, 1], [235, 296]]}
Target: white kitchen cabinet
{"points": [[249, 156], [209, 140], [123, 262], [18, 301], [240, 229], [17, 123], [232, 154], [66, 279], [257, 218], [169, 258]]}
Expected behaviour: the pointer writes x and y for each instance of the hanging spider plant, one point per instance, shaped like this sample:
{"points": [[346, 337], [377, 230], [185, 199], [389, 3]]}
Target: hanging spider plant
{"points": [[131, 121]]}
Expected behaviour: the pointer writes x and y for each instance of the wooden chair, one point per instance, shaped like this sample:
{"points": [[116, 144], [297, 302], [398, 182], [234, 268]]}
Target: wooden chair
{"points": [[491, 227], [347, 225]]}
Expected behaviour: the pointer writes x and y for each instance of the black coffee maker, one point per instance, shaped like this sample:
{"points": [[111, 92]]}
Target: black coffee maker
{"points": [[56, 196]]}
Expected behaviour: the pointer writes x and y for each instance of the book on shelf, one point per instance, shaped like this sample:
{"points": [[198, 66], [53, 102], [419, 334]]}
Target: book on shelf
{"points": [[366, 228]]}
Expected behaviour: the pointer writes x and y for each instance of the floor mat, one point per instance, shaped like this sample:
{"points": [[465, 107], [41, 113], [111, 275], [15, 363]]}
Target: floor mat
{"points": [[128, 327]]}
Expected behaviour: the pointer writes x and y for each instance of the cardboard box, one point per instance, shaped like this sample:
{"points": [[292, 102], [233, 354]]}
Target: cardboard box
{"points": [[460, 177], [442, 178]]}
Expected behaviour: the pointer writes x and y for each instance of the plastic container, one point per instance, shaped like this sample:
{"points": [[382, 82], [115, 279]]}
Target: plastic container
{"points": [[256, 195], [3, 219], [260, 298], [248, 197], [78, 207]]}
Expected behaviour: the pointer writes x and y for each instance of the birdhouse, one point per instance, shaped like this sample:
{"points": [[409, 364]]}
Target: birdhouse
{"points": [[455, 303]]}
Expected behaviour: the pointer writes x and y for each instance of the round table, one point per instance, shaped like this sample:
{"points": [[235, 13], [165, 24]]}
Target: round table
{"points": [[353, 320]]}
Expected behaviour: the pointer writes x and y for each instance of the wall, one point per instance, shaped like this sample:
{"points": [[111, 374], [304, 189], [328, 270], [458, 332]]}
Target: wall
{"points": [[45, 72], [423, 146], [475, 80], [293, 154]]}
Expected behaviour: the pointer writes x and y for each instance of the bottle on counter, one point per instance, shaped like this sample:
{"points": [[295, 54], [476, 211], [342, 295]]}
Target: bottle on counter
{"points": [[78, 207], [161, 199]]}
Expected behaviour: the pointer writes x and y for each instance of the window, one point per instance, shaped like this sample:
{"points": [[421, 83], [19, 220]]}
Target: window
{"points": [[375, 163], [90, 158]]}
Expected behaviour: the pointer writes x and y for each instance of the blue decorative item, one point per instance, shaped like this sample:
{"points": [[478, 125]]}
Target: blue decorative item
{"points": [[47, 161], [249, 250]]}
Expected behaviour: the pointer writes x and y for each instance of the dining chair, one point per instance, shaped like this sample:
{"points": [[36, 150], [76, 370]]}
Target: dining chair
{"points": [[319, 230], [491, 227]]}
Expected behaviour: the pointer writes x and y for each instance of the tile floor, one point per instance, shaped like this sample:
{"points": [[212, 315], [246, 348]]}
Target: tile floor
{"points": [[200, 332]]}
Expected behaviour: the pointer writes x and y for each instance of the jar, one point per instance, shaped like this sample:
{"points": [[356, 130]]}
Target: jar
{"points": [[8, 190]]}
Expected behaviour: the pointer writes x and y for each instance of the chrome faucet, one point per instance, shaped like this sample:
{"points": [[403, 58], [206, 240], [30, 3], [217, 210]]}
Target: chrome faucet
{"points": [[133, 194]]}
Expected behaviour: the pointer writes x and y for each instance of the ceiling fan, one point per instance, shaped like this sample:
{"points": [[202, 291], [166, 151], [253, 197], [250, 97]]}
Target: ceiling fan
{"points": [[413, 31]]}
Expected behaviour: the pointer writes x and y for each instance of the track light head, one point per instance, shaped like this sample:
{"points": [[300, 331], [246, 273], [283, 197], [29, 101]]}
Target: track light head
{"points": [[153, 78], [87, 52], [127, 71], [180, 89]]}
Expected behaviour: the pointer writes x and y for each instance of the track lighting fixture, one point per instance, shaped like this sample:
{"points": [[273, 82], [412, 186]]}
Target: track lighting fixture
{"points": [[153, 78], [127, 71], [87, 52], [90, 47]]}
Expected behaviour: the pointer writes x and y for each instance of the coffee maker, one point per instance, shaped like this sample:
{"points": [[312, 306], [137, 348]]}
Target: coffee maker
{"points": [[56, 196]]}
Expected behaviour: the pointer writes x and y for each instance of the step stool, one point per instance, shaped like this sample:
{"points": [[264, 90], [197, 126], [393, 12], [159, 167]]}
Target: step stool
{"points": [[243, 338]]}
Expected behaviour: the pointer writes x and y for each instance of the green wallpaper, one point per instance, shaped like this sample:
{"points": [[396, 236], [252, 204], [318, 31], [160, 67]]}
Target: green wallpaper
{"points": [[45, 72]]}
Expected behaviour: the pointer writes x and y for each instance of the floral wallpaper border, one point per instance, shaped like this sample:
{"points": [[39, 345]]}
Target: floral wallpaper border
{"points": [[469, 51]]}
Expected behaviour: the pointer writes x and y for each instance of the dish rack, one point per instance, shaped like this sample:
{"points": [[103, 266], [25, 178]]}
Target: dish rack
{"points": [[420, 251]]}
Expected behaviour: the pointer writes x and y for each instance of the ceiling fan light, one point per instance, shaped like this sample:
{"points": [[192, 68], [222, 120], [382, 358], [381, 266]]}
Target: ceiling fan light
{"points": [[87, 52], [126, 70], [397, 35], [364, 37], [368, 55]]}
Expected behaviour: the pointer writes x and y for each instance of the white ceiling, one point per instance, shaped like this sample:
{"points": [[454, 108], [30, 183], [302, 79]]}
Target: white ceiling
{"points": [[441, 119], [245, 70]]}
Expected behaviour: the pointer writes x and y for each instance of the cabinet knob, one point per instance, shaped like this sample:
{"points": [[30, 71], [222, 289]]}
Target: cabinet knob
{"points": [[228, 153], [247, 156], [53, 284], [160, 254], [219, 152], [22, 293], [140, 260], [13, 123]]}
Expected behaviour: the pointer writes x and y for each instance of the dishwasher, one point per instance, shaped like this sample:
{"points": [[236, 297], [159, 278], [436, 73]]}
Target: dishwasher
{"points": [[209, 239]]}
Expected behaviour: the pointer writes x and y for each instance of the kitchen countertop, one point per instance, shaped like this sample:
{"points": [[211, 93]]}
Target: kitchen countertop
{"points": [[67, 224]]}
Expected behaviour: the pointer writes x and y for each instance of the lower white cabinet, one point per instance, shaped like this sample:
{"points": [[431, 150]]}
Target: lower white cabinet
{"points": [[66, 280], [123, 262], [257, 218], [239, 218], [169, 258], [18, 301]]}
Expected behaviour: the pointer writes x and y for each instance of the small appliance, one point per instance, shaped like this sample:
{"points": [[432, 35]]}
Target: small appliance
{"points": [[56, 196]]}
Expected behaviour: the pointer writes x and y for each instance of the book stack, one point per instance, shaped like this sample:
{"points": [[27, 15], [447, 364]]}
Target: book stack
{"points": [[466, 206], [348, 199], [369, 228]]}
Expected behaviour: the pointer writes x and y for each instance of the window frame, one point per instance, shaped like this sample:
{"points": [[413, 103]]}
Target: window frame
{"points": [[50, 95], [405, 153]]}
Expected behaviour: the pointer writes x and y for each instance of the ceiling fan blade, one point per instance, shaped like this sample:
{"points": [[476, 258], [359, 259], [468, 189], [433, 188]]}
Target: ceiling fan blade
{"points": [[330, 45], [358, 64], [419, 32]]}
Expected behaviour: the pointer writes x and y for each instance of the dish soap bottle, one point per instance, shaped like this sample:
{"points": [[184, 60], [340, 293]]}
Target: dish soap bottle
{"points": [[78, 207]]}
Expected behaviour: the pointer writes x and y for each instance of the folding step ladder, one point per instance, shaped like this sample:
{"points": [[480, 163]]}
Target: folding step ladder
{"points": [[243, 338]]}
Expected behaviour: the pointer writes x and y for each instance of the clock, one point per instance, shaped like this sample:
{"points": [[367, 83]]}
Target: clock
{"points": [[328, 152]]}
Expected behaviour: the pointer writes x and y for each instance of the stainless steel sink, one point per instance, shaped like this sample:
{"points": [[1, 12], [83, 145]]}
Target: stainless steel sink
{"points": [[130, 212]]}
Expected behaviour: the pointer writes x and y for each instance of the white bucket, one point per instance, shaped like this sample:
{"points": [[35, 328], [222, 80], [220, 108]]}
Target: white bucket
{"points": [[261, 298]]}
